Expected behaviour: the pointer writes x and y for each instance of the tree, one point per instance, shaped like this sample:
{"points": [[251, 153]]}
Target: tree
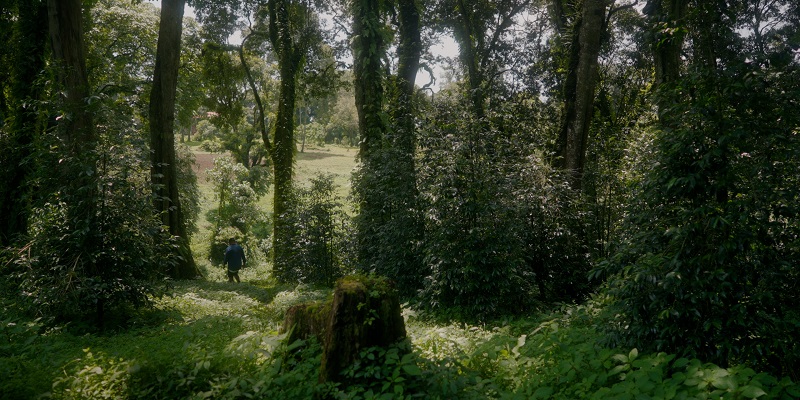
{"points": [[21, 64], [389, 227], [291, 32], [162, 138], [667, 19], [191, 90], [228, 73], [579, 90], [94, 202], [724, 170], [480, 28], [76, 128]]}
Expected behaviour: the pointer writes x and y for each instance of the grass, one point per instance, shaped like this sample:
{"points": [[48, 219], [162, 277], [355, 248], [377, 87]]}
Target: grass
{"points": [[214, 339]]}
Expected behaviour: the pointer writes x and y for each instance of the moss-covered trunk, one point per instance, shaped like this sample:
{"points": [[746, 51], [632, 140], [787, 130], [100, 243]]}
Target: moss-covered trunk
{"points": [[364, 312]]}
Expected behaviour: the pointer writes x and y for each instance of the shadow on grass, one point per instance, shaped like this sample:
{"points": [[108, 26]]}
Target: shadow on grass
{"points": [[262, 291], [316, 155]]}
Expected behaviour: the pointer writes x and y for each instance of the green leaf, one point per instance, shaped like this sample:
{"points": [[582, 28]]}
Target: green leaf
{"points": [[618, 369], [620, 357], [680, 363], [752, 392], [633, 354], [412, 370], [543, 392]]}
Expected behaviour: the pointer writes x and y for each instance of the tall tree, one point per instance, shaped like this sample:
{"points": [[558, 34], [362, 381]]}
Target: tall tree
{"points": [[163, 173], [667, 18], [724, 169], [66, 36], [479, 28], [25, 60], [405, 226], [289, 33], [389, 226], [369, 49], [579, 89]]}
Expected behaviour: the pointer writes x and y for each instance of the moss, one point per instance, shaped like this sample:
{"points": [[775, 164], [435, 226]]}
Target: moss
{"points": [[373, 284], [363, 312]]}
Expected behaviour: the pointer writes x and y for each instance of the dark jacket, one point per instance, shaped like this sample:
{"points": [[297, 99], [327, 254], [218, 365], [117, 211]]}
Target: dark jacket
{"points": [[234, 257]]}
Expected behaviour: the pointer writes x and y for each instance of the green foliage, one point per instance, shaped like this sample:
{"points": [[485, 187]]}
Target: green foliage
{"points": [[121, 46], [188, 191], [384, 373], [502, 226], [473, 264], [707, 266], [236, 190], [389, 232], [216, 340], [72, 268], [342, 126], [318, 230]]}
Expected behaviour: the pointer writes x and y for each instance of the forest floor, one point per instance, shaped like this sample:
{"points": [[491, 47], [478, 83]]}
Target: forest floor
{"points": [[208, 338], [213, 339]]}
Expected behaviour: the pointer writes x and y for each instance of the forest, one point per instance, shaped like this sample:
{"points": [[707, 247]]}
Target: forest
{"points": [[560, 199]]}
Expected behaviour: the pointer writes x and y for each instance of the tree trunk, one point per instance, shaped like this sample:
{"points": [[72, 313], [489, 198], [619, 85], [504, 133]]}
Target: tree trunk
{"points": [[290, 56], [30, 39], [369, 47], [579, 90], [466, 37], [259, 112], [363, 313], [66, 35], [404, 221], [409, 51], [163, 172], [668, 43], [77, 180]]}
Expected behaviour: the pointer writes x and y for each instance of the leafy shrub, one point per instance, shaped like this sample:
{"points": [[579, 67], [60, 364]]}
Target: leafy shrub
{"points": [[707, 268], [473, 241], [83, 263], [501, 225], [236, 190], [204, 350], [318, 230], [388, 221], [188, 191]]}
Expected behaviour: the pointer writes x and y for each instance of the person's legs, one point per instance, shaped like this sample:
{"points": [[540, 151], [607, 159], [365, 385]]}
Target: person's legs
{"points": [[236, 276], [230, 276]]}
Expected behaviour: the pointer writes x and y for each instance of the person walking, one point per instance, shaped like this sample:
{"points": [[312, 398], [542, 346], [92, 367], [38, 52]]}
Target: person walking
{"points": [[234, 259]]}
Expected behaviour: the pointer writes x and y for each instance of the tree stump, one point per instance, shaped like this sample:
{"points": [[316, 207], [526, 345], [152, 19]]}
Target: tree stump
{"points": [[364, 312]]}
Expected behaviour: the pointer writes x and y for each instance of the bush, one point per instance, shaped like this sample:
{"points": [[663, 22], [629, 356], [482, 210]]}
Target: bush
{"points": [[502, 226], [237, 213], [318, 230], [74, 268], [708, 265], [188, 191]]}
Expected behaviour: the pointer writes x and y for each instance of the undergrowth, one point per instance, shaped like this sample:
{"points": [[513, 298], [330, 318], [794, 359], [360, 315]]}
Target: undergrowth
{"points": [[220, 340]]}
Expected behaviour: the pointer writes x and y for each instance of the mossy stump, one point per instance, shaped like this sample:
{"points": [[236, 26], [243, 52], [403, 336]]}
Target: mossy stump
{"points": [[364, 312]]}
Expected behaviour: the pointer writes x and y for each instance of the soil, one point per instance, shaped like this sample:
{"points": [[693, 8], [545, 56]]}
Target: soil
{"points": [[203, 162]]}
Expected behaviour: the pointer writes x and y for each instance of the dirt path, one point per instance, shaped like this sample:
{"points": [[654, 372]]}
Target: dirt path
{"points": [[203, 161]]}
